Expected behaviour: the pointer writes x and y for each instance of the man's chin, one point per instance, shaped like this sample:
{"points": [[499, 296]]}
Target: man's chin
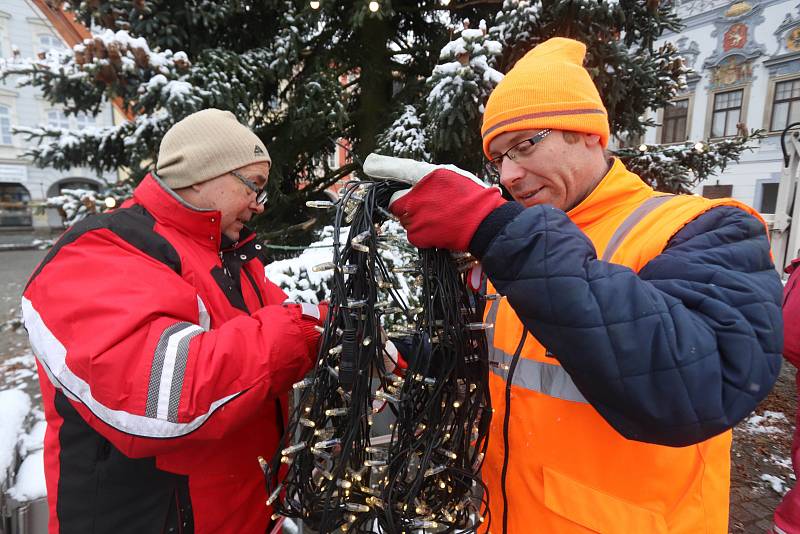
{"points": [[233, 235]]}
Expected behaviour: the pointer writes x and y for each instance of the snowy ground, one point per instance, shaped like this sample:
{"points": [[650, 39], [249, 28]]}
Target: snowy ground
{"points": [[761, 468]]}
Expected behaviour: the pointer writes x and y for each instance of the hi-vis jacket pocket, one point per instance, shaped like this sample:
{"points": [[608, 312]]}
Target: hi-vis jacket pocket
{"points": [[598, 511]]}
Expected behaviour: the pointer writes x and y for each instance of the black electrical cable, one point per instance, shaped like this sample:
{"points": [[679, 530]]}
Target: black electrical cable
{"points": [[506, 421], [424, 473]]}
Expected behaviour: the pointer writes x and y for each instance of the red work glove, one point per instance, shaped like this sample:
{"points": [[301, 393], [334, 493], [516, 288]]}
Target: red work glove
{"points": [[323, 307], [445, 204], [312, 319]]}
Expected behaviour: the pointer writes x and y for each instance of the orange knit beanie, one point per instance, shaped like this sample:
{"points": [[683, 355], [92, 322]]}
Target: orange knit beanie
{"points": [[547, 88]]}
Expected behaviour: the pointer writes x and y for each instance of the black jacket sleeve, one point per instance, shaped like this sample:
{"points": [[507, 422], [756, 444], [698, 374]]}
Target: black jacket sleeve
{"points": [[674, 355]]}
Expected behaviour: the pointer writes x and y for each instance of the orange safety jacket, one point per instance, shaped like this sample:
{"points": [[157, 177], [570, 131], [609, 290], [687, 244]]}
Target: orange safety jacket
{"points": [[569, 470]]}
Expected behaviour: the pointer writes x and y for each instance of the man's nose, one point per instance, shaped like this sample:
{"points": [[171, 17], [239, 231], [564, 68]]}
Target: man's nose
{"points": [[257, 207], [510, 173]]}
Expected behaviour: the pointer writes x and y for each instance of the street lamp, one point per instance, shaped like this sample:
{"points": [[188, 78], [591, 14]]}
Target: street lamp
{"points": [[374, 6]]}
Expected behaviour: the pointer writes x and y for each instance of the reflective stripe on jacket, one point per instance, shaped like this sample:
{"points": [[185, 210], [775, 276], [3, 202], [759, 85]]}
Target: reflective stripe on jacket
{"points": [[569, 470]]}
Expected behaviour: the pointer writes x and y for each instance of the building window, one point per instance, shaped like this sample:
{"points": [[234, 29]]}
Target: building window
{"points": [[57, 119], [768, 197], [718, 191], [14, 208], [49, 42], [727, 112], [785, 105], [84, 120], [673, 129], [5, 126]]}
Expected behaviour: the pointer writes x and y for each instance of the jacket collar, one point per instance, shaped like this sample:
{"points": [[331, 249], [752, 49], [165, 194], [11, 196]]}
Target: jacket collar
{"points": [[202, 225], [618, 190]]}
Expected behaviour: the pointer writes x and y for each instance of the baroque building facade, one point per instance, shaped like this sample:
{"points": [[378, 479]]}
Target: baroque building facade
{"points": [[745, 61], [29, 28]]}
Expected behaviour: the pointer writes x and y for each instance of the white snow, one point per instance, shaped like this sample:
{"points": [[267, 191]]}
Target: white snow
{"points": [[296, 275], [298, 279], [14, 405], [763, 424], [776, 483], [781, 461], [30, 482], [33, 440]]}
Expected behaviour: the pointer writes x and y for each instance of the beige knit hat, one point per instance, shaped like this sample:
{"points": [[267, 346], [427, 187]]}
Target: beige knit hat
{"points": [[205, 145]]}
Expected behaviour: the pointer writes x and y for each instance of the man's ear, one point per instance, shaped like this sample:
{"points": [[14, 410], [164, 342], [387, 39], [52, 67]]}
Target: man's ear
{"points": [[591, 139]]}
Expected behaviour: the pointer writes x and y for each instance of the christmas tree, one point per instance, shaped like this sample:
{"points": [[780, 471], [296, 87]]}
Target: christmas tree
{"points": [[306, 74], [631, 73]]}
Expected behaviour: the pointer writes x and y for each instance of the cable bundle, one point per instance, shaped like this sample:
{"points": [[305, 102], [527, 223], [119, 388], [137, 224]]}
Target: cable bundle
{"points": [[424, 474]]}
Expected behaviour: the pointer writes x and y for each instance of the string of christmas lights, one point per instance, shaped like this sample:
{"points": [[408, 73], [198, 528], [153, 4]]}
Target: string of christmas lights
{"points": [[424, 472]]}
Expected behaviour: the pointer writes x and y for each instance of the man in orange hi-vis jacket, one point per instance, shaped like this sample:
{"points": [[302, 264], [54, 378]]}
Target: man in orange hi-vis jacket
{"points": [[635, 328]]}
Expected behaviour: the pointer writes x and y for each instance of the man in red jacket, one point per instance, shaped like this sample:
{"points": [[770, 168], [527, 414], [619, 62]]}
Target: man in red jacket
{"points": [[164, 353], [787, 515]]}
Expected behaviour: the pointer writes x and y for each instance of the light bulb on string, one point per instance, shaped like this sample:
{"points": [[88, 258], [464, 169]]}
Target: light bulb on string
{"points": [[643, 148], [374, 6], [445, 2], [314, 4], [699, 147]]}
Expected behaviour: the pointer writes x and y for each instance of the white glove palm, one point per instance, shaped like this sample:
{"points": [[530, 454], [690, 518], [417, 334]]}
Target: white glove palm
{"points": [[407, 171]]}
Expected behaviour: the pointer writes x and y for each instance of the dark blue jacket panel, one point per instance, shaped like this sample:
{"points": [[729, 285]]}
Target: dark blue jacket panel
{"points": [[674, 355]]}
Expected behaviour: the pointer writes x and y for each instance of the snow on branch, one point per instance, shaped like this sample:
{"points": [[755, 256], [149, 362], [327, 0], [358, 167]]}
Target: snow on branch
{"points": [[100, 148], [460, 86], [406, 137]]}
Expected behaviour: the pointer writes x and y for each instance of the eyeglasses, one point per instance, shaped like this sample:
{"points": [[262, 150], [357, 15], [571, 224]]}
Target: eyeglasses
{"points": [[519, 152], [261, 192]]}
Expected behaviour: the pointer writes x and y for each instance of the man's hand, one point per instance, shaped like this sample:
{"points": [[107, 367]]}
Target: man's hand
{"points": [[313, 318], [445, 204]]}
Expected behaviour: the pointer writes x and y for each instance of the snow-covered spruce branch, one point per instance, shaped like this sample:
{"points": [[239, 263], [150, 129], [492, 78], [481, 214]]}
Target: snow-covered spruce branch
{"points": [[459, 87], [678, 168], [406, 137], [101, 148]]}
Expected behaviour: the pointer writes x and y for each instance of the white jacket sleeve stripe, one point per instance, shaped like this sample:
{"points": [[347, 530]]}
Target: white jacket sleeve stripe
{"points": [[157, 369], [51, 353], [172, 374]]}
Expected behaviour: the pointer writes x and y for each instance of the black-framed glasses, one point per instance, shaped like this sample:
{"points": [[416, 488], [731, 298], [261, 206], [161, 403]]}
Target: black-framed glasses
{"points": [[520, 151], [261, 192]]}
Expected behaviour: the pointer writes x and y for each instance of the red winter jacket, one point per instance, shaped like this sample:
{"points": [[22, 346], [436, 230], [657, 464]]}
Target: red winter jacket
{"points": [[163, 364], [787, 514], [791, 314]]}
